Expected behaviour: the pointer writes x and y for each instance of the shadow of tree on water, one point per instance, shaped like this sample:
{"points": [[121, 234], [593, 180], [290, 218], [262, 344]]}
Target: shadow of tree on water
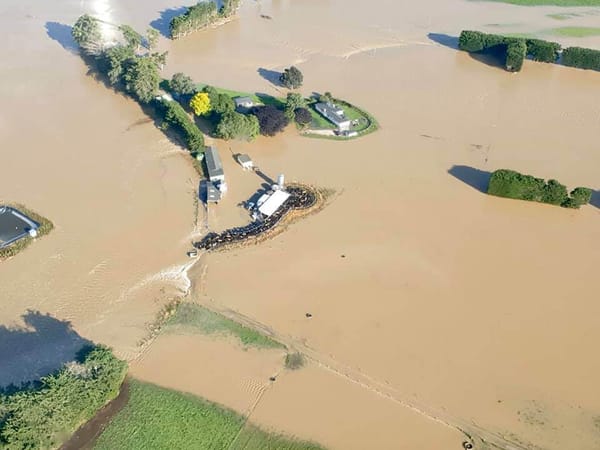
{"points": [[272, 76], [40, 347], [164, 20], [444, 39], [61, 33], [477, 179]]}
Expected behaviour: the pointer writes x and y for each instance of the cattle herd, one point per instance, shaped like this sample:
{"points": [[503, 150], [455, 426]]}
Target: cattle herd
{"points": [[301, 197]]}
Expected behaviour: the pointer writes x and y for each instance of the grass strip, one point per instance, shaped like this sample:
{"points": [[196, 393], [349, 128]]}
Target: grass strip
{"points": [[196, 318], [576, 31], [564, 3]]}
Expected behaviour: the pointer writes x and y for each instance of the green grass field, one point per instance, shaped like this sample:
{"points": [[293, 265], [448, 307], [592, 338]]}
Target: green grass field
{"points": [[195, 318], [158, 418], [551, 2], [563, 16], [576, 31]]}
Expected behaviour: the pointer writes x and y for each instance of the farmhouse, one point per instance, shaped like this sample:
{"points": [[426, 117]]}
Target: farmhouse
{"points": [[334, 114], [14, 225]]}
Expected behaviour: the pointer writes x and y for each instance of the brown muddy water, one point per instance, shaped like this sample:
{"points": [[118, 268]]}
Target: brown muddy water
{"points": [[482, 309]]}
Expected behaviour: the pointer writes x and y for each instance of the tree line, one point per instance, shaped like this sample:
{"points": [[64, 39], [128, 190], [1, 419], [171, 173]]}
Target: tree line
{"points": [[41, 414], [514, 50], [200, 16], [131, 65], [511, 184]]}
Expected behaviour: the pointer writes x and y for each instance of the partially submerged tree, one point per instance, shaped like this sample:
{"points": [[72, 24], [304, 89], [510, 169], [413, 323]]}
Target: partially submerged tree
{"points": [[291, 78], [181, 84], [142, 78], [115, 59], [86, 32], [152, 35], [229, 7], [270, 119], [133, 39], [200, 103]]}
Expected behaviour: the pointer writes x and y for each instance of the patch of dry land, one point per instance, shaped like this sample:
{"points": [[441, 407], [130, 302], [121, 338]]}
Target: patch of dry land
{"points": [[434, 307]]}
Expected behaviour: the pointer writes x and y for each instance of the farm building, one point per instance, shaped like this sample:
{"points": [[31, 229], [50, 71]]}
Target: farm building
{"points": [[245, 161], [14, 225], [213, 164], [334, 114]]}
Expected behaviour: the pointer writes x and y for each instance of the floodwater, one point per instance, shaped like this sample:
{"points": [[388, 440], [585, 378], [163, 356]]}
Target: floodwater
{"points": [[479, 309]]}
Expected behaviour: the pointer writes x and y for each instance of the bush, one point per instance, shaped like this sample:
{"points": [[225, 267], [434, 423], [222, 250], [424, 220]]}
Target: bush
{"points": [[291, 78], [40, 415], [514, 50], [234, 125], [181, 84], [302, 116], [511, 184], [175, 116], [581, 195], [583, 58], [220, 103], [543, 51], [270, 119], [195, 18], [294, 361], [515, 54], [471, 41]]}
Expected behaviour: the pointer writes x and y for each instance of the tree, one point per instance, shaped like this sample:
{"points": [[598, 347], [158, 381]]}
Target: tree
{"points": [[234, 125], [555, 193], [181, 84], [200, 103], [86, 32], [229, 7], [270, 119], [132, 38], [142, 78], [302, 116], [152, 35], [291, 78], [581, 196], [116, 58], [293, 101], [220, 103], [326, 98]]}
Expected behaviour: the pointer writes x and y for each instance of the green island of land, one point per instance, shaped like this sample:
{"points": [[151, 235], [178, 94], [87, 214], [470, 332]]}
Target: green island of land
{"points": [[576, 31]]}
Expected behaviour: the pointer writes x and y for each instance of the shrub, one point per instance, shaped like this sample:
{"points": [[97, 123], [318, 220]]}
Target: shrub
{"points": [[38, 416], [195, 18], [515, 54], [471, 41], [234, 125], [543, 51], [555, 193], [294, 361], [270, 119], [302, 116], [511, 184], [291, 78], [175, 116], [200, 104], [220, 103], [181, 84], [581, 195], [583, 58]]}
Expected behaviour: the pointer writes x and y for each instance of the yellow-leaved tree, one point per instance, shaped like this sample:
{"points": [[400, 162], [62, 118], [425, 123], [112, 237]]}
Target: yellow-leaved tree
{"points": [[200, 103]]}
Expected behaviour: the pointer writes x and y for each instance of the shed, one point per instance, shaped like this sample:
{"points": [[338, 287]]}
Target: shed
{"points": [[15, 225], [208, 192], [243, 102], [213, 164], [272, 203], [245, 161]]}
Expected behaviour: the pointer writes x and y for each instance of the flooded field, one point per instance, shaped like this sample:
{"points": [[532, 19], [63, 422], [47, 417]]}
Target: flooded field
{"points": [[482, 309]]}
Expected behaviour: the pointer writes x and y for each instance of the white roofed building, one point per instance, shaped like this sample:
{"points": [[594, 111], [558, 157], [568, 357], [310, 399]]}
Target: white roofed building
{"points": [[269, 203]]}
